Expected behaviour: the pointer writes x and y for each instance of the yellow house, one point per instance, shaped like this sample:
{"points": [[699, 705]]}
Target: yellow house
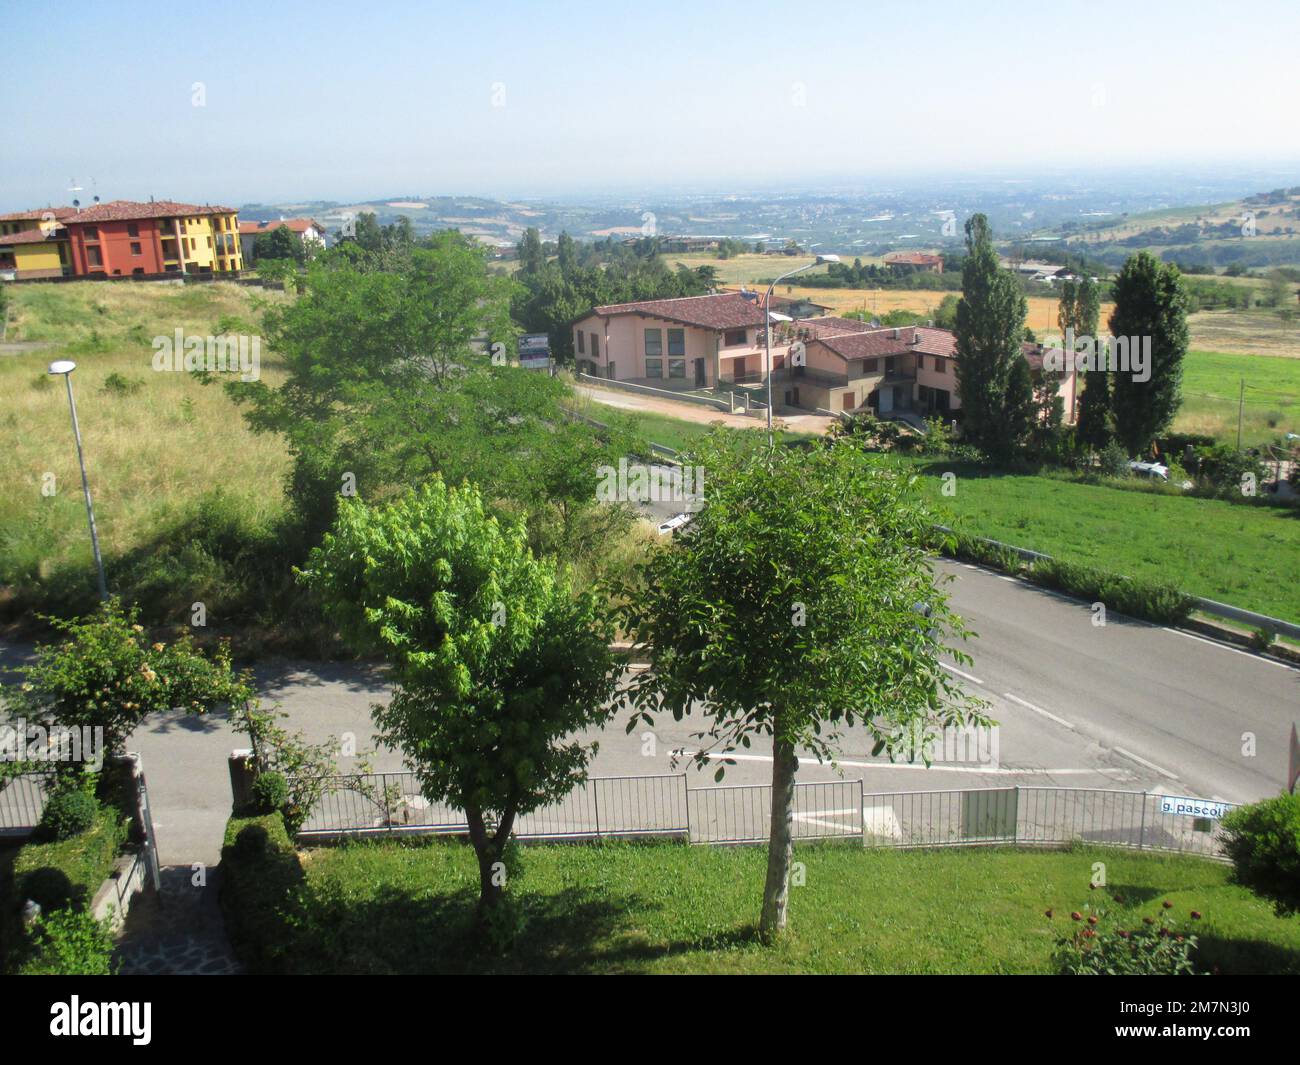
{"points": [[34, 244]]}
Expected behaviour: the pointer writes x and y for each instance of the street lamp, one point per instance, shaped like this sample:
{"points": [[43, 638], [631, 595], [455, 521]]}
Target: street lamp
{"points": [[64, 368], [767, 329]]}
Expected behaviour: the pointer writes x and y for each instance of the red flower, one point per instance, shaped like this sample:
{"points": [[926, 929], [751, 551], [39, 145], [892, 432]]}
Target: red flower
{"points": [[1076, 916], [1122, 934], [1048, 913], [1088, 933], [1148, 920], [1092, 920], [1119, 898], [1167, 904], [1196, 915]]}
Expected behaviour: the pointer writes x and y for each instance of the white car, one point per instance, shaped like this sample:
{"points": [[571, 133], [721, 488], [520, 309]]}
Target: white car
{"points": [[1154, 470], [673, 523]]}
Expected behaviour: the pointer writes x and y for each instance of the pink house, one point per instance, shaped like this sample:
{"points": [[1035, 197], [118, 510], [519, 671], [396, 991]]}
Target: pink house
{"points": [[827, 363], [691, 342]]}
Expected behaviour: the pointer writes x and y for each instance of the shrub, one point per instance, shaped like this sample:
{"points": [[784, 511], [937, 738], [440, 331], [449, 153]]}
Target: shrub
{"points": [[69, 943], [269, 793], [1263, 841], [1114, 461], [1153, 948], [69, 811], [260, 875], [1223, 469], [1140, 599], [122, 386]]}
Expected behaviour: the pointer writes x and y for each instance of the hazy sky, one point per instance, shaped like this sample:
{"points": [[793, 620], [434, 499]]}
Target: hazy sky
{"points": [[343, 101]]}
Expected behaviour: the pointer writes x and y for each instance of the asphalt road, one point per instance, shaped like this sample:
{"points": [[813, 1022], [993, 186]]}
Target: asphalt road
{"points": [[1128, 705]]}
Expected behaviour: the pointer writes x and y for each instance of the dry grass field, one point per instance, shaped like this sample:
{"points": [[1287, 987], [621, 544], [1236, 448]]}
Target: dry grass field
{"points": [[155, 442]]}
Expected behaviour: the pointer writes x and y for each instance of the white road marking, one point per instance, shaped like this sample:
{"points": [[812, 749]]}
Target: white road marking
{"points": [[958, 672], [1142, 761], [808, 819], [1038, 710], [1225, 647]]}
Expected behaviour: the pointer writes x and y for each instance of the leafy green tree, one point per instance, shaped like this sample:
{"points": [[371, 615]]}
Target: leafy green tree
{"points": [[1087, 307], [945, 314], [531, 258], [788, 608], [498, 662], [279, 243], [106, 673], [990, 323], [1094, 410], [1263, 841], [565, 255], [1150, 301], [1019, 408]]}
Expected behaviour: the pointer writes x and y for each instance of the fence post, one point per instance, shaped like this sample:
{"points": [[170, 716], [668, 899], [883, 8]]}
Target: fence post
{"points": [[383, 787], [1142, 830], [595, 801], [686, 805], [862, 808]]}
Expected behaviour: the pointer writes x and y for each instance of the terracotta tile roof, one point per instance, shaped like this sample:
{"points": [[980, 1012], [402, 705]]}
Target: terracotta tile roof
{"points": [[912, 258], [723, 310], [130, 211], [829, 326], [37, 214], [34, 236], [874, 342], [294, 225]]}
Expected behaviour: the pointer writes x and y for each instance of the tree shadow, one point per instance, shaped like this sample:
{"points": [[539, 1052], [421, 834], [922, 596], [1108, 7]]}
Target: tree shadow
{"points": [[1241, 957]]}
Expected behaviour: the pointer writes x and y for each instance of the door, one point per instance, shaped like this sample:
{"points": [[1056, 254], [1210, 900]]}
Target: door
{"points": [[699, 373], [610, 372], [886, 400]]}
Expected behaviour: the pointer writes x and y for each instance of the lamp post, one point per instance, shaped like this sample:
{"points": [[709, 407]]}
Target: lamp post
{"points": [[64, 368], [767, 330]]}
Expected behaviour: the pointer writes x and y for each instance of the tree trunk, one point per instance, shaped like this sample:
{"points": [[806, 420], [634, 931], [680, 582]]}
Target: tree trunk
{"points": [[780, 843], [487, 850]]}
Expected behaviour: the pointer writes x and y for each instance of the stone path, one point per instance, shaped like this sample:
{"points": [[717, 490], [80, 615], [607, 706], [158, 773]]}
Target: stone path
{"points": [[180, 933]]}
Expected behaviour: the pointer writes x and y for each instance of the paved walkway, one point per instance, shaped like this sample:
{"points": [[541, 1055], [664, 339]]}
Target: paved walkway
{"points": [[177, 933], [691, 412]]}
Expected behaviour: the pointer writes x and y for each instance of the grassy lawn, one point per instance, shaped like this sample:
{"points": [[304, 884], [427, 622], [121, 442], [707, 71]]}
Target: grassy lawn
{"points": [[1243, 555], [1211, 388], [670, 908]]}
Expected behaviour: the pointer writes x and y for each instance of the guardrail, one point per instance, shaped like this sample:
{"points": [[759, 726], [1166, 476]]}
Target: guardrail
{"points": [[664, 805], [1205, 606]]}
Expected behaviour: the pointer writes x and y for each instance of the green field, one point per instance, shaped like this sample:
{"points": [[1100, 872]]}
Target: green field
{"points": [[1247, 556], [672, 908], [1211, 390]]}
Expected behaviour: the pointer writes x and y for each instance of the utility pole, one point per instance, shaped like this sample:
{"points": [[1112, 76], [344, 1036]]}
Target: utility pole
{"points": [[1241, 407]]}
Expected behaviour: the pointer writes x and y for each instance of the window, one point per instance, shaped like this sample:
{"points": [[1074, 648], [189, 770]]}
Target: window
{"points": [[940, 365], [132, 230], [676, 367], [581, 340], [654, 342], [870, 365], [889, 364], [677, 342], [732, 337], [654, 367], [92, 232], [93, 257], [135, 248], [595, 345]]}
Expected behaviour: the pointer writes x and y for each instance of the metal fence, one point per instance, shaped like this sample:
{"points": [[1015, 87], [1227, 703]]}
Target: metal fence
{"points": [[22, 801], [664, 805]]}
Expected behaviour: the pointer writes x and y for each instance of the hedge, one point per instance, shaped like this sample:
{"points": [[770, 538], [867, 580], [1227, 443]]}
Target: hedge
{"points": [[62, 874], [1161, 603], [260, 873]]}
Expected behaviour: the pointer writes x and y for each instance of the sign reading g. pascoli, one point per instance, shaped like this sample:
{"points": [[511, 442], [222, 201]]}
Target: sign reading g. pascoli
{"points": [[1177, 804]]}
